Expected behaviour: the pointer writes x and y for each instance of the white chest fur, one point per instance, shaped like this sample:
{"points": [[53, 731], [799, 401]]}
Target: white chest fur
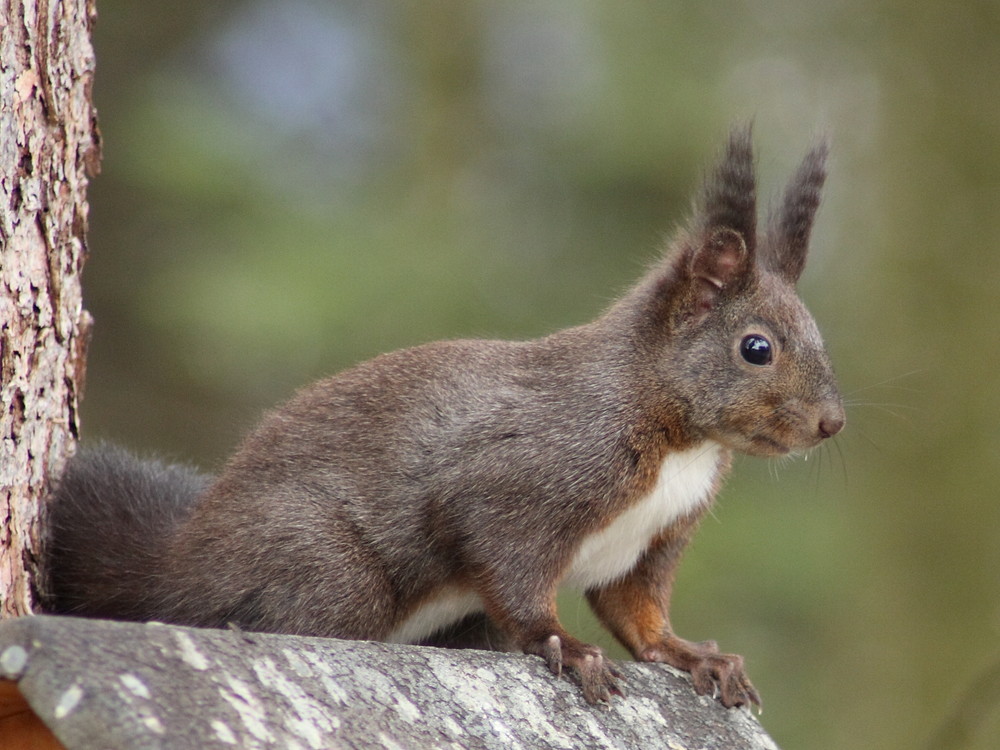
{"points": [[684, 482]]}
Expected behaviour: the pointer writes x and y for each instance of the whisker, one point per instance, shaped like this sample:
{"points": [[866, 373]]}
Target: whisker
{"points": [[881, 403], [817, 468], [843, 461], [891, 411], [867, 439], [772, 468], [885, 383], [888, 409]]}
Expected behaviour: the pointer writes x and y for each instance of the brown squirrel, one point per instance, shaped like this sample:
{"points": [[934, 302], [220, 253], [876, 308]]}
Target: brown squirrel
{"points": [[441, 494]]}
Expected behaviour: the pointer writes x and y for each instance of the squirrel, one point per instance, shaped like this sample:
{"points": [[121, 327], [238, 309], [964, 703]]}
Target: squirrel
{"points": [[442, 494]]}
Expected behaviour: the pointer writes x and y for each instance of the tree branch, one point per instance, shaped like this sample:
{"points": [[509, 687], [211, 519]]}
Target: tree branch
{"points": [[112, 684]]}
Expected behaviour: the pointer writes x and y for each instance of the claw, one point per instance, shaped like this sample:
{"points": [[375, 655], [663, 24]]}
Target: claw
{"points": [[552, 653], [598, 677], [721, 675]]}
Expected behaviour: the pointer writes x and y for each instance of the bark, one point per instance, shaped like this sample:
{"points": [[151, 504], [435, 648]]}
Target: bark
{"points": [[128, 685], [49, 145]]}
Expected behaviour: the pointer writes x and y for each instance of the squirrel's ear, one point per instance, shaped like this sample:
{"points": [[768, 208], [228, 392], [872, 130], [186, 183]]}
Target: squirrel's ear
{"points": [[721, 264], [716, 255], [789, 228], [728, 199]]}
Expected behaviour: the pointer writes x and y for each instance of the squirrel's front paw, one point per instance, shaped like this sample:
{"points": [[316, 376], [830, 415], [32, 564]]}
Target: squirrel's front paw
{"points": [[713, 673], [598, 677]]}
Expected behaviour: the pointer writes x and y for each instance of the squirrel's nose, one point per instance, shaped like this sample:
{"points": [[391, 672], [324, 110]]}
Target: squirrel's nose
{"points": [[831, 424]]}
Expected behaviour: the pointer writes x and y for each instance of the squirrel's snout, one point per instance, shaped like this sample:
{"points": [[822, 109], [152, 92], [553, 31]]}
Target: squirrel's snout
{"points": [[831, 424]]}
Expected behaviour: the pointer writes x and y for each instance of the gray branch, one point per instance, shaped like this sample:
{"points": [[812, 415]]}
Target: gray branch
{"points": [[126, 685]]}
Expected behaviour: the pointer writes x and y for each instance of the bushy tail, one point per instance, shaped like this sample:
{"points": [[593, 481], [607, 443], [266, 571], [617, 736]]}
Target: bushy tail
{"points": [[110, 519]]}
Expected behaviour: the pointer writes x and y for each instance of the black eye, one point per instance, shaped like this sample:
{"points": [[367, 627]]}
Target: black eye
{"points": [[756, 349]]}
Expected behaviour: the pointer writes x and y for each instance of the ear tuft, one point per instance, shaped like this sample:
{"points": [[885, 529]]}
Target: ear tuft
{"points": [[729, 197], [789, 228]]}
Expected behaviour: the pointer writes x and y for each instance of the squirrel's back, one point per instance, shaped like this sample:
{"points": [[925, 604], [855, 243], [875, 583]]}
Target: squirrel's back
{"points": [[110, 517]]}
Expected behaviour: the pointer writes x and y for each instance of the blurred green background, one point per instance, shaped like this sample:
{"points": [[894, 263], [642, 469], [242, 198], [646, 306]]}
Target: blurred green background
{"points": [[292, 186]]}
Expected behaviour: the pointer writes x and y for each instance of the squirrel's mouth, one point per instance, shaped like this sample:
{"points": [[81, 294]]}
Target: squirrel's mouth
{"points": [[768, 446], [760, 445]]}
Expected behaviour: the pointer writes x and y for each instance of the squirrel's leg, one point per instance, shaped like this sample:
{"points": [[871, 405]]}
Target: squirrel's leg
{"points": [[529, 617], [636, 609]]}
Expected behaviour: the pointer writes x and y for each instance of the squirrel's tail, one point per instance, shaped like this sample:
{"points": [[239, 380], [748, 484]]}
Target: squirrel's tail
{"points": [[110, 519]]}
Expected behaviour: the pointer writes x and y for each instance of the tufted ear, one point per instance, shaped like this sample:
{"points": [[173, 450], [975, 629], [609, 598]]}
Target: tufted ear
{"points": [[715, 257], [719, 266], [789, 227], [728, 198]]}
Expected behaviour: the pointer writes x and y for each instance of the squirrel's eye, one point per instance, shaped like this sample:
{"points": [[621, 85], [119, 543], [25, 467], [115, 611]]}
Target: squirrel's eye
{"points": [[756, 349]]}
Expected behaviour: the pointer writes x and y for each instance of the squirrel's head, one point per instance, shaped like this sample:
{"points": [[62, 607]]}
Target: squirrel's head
{"points": [[728, 334]]}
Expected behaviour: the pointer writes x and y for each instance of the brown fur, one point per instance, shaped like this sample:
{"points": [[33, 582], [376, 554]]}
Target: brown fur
{"points": [[482, 466]]}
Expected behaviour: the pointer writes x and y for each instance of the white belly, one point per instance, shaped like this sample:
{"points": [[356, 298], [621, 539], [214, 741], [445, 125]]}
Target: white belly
{"points": [[449, 606], [685, 482]]}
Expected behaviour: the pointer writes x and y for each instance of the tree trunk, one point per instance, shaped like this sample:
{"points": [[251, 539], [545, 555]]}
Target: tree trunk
{"points": [[49, 145]]}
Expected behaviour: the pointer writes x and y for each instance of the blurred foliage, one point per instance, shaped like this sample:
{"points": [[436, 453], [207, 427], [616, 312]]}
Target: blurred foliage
{"points": [[291, 187]]}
